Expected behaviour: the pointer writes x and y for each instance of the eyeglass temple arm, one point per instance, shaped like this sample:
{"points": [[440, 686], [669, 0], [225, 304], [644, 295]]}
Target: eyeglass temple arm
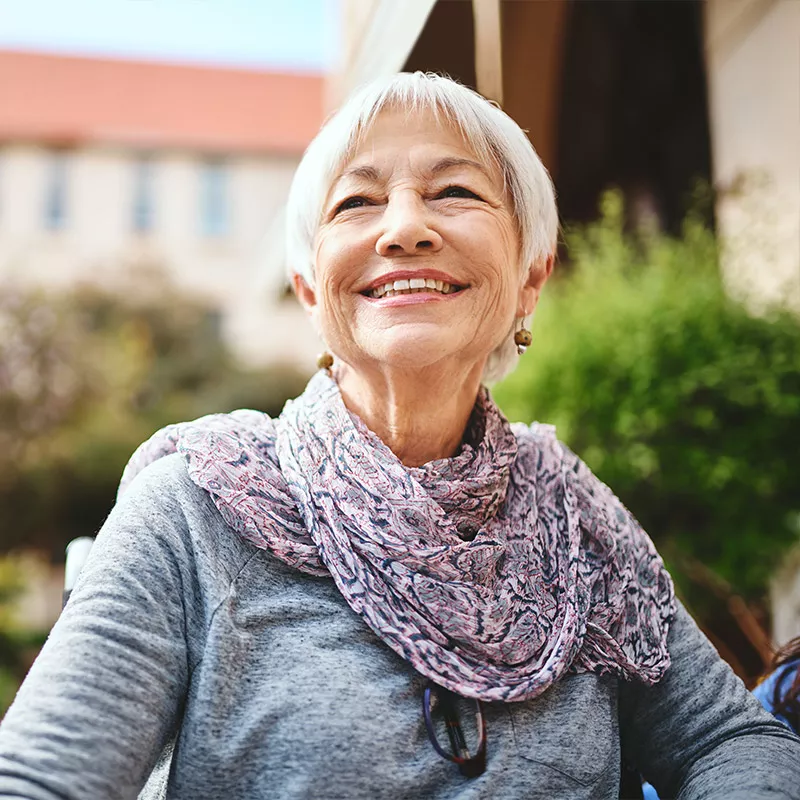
{"points": [[454, 730]]}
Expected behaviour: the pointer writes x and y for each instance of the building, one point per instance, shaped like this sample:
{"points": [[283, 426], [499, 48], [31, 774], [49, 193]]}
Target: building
{"points": [[111, 168]]}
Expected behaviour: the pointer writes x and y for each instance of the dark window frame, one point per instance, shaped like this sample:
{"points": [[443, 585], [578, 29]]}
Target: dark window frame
{"points": [[56, 190], [215, 212], [144, 194]]}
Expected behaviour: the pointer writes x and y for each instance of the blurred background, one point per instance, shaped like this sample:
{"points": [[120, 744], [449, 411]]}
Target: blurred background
{"points": [[146, 150]]}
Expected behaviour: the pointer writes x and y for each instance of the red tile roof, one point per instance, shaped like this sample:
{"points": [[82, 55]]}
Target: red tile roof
{"points": [[70, 100]]}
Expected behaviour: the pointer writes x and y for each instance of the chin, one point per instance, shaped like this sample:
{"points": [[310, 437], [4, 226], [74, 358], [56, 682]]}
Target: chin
{"points": [[415, 350]]}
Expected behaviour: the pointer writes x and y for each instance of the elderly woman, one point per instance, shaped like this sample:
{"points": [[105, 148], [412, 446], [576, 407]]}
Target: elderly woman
{"points": [[388, 591]]}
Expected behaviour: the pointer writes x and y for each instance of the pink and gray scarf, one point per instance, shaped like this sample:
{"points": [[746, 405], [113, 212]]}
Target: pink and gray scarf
{"points": [[493, 573]]}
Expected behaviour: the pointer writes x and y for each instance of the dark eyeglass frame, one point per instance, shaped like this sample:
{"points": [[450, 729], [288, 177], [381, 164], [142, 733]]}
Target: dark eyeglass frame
{"points": [[468, 765]]}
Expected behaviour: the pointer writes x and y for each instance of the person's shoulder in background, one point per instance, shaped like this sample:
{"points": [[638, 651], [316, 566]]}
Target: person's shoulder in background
{"points": [[782, 679]]}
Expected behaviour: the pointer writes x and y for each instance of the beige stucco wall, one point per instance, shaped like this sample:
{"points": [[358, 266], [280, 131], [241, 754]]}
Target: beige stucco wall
{"points": [[98, 243], [753, 58]]}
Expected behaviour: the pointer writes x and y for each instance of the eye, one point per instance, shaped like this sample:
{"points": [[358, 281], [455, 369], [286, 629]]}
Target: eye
{"points": [[457, 191], [351, 202]]}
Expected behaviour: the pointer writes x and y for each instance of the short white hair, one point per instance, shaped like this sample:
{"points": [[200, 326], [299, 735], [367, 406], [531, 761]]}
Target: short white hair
{"points": [[491, 134]]}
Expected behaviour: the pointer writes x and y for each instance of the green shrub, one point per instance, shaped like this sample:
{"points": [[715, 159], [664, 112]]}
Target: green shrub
{"points": [[85, 377], [685, 404], [18, 642]]}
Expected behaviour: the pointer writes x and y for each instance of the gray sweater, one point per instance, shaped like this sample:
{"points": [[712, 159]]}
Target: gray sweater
{"points": [[191, 661]]}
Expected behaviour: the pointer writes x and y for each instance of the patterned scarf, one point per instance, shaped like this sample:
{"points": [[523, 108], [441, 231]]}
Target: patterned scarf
{"points": [[493, 573]]}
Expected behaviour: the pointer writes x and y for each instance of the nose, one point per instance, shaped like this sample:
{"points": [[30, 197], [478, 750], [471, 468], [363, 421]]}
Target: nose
{"points": [[407, 227]]}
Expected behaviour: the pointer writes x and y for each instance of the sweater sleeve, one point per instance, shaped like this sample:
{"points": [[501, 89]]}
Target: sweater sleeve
{"points": [[699, 733], [105, 693]]}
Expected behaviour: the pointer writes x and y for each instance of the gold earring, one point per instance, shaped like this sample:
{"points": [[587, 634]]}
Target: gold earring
{"points": [[325, 360], [522, 337]]}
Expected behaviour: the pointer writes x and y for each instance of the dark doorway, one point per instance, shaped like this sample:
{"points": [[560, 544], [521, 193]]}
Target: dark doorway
{"points": [[633, 109], [446, 44]]}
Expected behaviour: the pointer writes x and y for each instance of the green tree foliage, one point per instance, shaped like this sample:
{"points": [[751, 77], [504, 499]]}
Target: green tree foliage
{"points": [[84, 378], [18, 642], [685, 404]]}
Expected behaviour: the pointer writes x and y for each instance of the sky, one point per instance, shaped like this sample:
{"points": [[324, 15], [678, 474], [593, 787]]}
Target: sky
{"points": [[297, 35]]}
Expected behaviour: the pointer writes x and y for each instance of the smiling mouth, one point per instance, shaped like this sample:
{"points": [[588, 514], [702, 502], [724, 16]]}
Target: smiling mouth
{"points": [[413, 286]]}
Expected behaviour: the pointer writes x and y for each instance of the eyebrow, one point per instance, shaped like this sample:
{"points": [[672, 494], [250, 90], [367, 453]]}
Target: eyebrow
{"points": [[369, 173], [366, 172], [452, 162]]}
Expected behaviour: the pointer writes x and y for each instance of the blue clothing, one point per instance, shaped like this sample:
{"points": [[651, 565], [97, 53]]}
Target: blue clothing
{"points": [[765, 691], [649, 792]]}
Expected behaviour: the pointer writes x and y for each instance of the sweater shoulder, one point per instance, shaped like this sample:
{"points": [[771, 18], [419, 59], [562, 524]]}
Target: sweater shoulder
{"points": [[164, 498], [165, 479]]}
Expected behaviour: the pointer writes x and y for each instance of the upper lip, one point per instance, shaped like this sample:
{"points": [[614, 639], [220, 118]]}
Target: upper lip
{"points": [[407, 274]]}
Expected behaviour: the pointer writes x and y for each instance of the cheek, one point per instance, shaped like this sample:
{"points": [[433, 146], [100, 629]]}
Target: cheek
{"points": [[334, 271], [509, 261], [508, 243], [338, 260], [326, 259], [327, 273], [497, 251]]}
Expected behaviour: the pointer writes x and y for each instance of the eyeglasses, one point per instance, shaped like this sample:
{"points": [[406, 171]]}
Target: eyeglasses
{"points": [[468, 765]]}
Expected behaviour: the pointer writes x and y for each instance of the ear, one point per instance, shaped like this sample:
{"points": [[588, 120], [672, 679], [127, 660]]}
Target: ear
{"points": [[305, 294], [532, 287]]}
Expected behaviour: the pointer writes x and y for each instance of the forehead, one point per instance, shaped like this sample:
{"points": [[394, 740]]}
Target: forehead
{"points": [[423, 134]]}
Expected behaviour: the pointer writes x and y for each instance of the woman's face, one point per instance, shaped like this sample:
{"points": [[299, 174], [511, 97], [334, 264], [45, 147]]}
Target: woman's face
{"points": [[417, 255]]}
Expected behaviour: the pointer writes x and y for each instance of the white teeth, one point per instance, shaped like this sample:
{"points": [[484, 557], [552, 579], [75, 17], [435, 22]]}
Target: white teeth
{"points": [[411, 286]]}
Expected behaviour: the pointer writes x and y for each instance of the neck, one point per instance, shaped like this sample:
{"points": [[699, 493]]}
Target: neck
{"points": [[420, 416]]}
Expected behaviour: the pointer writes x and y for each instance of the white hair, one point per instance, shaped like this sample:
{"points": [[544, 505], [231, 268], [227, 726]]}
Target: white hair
{"points": [[491, 134]]}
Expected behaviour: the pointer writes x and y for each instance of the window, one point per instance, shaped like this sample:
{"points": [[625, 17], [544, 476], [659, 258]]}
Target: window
{"points": [[143, 195], [55, 209], [214, 198]]}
